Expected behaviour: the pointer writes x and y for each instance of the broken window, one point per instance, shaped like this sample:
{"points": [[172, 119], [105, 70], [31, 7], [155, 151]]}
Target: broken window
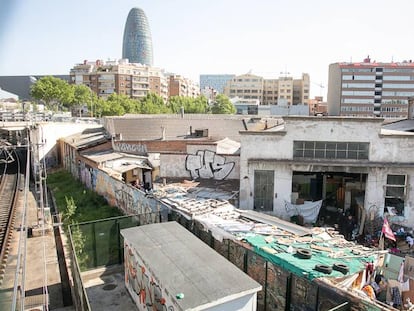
{"points": [[395, 191]]}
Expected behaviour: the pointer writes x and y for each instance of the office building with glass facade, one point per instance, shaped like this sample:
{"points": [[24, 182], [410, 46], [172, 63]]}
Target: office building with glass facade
{"points": [[137, 43], [215, 81]]}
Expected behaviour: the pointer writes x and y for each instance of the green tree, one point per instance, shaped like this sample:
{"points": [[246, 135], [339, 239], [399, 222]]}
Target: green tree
{"points": [[190, 105], [52, 91], [118, 105], [153, 104], [200, 105], [223, 105], [82, 95]]}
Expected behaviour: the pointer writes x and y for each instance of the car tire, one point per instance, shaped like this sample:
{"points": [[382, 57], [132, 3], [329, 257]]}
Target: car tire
{"points": [[304, 253], [324, 269], [341, 267]]}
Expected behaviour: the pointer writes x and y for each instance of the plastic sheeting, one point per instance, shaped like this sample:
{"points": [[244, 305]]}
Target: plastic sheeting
{"points": [[309, 210]]}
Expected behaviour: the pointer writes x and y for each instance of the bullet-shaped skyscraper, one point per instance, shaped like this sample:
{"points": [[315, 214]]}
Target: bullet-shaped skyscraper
{"points": [[137, 43]]}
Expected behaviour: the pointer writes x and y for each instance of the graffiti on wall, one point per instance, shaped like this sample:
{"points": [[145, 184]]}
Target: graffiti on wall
{"points": [[143, 286], [124, 200], [131, 148], [208, 165]]}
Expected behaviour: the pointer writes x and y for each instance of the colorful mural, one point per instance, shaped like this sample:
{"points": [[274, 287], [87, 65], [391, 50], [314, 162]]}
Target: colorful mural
{"points": [[208, 165], [144, 288]]}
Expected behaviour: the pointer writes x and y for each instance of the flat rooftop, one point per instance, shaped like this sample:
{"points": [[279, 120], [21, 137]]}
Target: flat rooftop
{"points": [[186, 265]]}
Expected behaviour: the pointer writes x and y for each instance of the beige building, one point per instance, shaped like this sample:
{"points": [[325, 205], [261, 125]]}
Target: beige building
{"points": [[317, 106], [369, 89], [121, 77], [283, 91]]}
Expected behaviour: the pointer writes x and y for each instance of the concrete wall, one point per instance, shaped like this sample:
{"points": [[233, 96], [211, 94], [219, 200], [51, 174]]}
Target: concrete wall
{"points": [[45, 136], [274, 151], [142, 285], [190, 165], [126, 197], [334, 90]]}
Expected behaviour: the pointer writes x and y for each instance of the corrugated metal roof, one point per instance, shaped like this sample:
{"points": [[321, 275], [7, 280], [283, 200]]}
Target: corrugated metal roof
{"points": [[279, 223], [130, 166], [100, 157], [88, 137]]}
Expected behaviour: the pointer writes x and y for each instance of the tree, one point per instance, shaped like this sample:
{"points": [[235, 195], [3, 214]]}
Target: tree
{"points": [[223, 105], [53, 91], [82, 95], [190, 105], [201, 105], [153, 104], [118, 105]]}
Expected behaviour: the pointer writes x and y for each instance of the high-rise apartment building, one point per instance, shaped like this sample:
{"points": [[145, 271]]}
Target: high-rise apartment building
{"points": [[369, 89], [180, 86], [215, 82], [121, 77], [137, 43], [283, 91]]}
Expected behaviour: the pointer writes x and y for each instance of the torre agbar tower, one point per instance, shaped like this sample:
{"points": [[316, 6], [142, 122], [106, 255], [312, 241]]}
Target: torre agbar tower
{"points": [[137, 43]]}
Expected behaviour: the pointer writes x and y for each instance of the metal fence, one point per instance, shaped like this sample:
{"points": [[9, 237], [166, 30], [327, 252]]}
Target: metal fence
{"points": [[97, 244], [102, 245]]}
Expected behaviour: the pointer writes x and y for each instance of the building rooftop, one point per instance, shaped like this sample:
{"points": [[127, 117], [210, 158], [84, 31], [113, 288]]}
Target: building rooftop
{"points": [[274, 239], [186, 265], [179, 127], [88, 137]]}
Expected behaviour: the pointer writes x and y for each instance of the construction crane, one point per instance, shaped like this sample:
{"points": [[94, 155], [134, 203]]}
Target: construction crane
{"points": [[321, 87]]}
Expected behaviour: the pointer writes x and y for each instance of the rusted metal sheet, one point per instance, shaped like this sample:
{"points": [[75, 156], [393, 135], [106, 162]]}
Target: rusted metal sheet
{"points": [[276, 288], [256, 269], [303, 294], [237, 255], [330, 299]]}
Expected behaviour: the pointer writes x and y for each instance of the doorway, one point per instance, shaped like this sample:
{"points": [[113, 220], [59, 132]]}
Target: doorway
{"points": [[263, 190]]}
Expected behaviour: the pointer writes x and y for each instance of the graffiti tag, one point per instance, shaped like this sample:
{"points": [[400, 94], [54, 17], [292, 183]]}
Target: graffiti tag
{"points": [[207, 164], [149, 294], [131, 148]]}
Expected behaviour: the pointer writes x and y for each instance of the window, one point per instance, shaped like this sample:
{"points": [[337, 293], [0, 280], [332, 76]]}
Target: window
{"points": [[357, 93], [395, 191], [357, 85], [330, 150]]}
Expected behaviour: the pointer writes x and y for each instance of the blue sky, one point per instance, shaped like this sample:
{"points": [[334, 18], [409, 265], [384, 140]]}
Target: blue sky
{"points": [[193, 37]]}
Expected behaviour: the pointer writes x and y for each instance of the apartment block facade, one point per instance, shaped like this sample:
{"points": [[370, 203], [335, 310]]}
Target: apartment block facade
{"points": [[180, 86], [370, 89], [132, 79], [282, 91]]}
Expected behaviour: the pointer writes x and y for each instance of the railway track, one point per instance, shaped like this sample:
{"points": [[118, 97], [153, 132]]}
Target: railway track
{"points": [[8, 197]]}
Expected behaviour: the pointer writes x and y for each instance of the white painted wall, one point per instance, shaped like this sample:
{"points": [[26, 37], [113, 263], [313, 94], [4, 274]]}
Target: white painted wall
{"points": [[47, 133], [174, 165], [244, 303], [392, 153]]}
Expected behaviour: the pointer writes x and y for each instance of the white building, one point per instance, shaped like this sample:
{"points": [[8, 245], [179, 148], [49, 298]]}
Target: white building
{"points": [[169, 268], [350, 163]]}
